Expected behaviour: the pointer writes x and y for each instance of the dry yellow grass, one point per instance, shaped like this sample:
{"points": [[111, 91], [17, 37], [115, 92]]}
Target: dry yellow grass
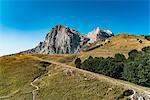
{"points": [[63, 58], [122, 43], [62, 82]]}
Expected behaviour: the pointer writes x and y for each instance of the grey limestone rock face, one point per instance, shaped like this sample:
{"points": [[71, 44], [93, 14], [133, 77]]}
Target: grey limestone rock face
{"points": [[65, 40], [60, 40]]}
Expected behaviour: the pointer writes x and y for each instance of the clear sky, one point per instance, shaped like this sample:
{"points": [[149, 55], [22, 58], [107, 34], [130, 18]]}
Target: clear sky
{"points": [[24, 23]]}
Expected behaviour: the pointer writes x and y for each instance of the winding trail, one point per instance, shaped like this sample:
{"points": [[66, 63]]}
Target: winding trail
{"points": [[9, 95], [132, 96], [99, 76], [37, 88]]}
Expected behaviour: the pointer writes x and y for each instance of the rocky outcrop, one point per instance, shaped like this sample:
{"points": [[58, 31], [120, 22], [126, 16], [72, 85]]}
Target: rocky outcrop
{"points": [[60, 40], [141, 96], [98, 34], [65, 40]]}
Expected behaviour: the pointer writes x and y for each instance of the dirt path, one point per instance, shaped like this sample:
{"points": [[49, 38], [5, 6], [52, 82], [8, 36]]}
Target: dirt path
{"points": [[33, 92], [9, 95], [99, 76], [132, 96], [36, 89]]}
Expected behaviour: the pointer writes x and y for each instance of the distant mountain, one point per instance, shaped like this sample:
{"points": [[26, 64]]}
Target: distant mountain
{"points": [[60, 40], [99, 34], [65, 40]]}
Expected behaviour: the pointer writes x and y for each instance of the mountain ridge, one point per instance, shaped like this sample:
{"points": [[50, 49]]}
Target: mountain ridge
{"points": [[65, 40], [99, 34]]}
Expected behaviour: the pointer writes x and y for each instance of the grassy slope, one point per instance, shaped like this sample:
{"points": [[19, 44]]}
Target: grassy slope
{"points": [[70, 84], [63, 58], [122, 43], [16, 73], [60, 83]]}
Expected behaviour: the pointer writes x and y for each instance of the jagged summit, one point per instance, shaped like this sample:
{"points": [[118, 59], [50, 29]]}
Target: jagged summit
{"points": [[64, 40], [65, 29], [99, 34], [60, 40]]}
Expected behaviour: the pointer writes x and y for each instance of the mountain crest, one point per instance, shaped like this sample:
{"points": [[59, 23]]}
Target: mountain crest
{"points": [[60, 40], [65, 40], [99, 34]]}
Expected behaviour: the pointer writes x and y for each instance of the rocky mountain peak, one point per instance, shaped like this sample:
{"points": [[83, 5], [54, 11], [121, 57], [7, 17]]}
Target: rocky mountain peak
{"points": [[64, 29], [96, 30], [60, 40], [99, 34]]}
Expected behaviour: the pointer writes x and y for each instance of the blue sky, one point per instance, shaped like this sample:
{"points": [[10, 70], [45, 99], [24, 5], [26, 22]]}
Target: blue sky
{"points": [[24, 23]]}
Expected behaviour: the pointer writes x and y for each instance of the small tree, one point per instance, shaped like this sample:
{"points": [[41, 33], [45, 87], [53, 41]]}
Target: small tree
{"points": [[140, 41], [78, 62], [133, 54], [101, 44], [146, 49], [90, 57], [119, 57], [147, 37]]}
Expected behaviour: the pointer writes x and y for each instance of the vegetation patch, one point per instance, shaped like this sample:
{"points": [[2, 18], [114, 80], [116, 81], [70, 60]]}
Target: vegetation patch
{"points": [[147, 37], [17, 72], [128, 92], [64, 83], [134, 69]]}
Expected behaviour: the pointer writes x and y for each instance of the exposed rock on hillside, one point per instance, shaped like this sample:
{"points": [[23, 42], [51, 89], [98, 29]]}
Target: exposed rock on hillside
{"points": [[98, 34], [60, 40], [64, 40]]}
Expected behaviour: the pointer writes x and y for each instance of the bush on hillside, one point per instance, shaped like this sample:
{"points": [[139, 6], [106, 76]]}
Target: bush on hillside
{"points": [[119, 57], [133, 54], [146, 49], [128, 92], [140, 41], [78, 62], [147, 37]]}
